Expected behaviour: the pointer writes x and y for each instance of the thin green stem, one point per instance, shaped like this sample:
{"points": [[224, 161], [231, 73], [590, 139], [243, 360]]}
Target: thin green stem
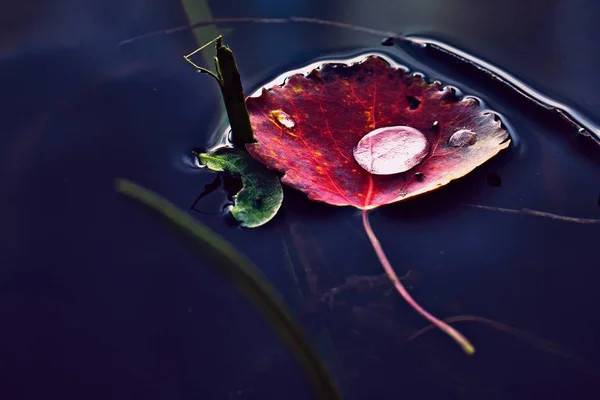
{"points": [[389, 270], [202, 69]]}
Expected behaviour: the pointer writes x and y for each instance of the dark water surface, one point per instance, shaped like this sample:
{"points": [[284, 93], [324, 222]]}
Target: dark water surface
{"points": [[99, 299]]}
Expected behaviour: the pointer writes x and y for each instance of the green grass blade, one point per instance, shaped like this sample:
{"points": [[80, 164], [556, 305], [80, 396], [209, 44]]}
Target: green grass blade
{"points": [[199, 10], [248, 280]]}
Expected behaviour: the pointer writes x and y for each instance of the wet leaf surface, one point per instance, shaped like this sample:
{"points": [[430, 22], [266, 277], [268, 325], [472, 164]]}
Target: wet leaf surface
{"points": [[309, 127]]}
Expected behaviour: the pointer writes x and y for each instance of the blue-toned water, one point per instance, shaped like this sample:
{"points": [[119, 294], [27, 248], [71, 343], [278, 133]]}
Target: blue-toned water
{"points": [[100, 299]]}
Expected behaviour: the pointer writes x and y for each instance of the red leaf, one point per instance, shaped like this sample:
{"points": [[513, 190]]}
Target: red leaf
{"points": [[309, 127], [368, 134]]}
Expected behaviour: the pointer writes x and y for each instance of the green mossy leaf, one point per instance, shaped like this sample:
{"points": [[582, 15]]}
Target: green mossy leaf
{"points": [[261, 195]]}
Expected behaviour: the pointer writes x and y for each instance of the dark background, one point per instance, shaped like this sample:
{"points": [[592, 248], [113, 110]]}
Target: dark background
{"points": [[99, 299]]}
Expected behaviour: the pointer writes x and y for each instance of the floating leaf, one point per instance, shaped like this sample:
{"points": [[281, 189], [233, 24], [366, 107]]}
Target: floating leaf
{"points": [[261, 195], [328, 112], [367, 135]]}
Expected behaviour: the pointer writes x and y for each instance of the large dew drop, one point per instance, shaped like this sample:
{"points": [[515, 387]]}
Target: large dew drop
{"points": [[391, 150], [283, 118]]}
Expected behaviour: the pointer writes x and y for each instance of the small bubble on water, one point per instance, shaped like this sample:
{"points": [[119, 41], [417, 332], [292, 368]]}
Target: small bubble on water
{"points": [[284, 119], [462, 137]]}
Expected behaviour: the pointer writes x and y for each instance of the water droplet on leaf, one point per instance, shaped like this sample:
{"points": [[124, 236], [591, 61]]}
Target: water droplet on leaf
{"points": [[391, 150], [463, 137], [283, 118]]}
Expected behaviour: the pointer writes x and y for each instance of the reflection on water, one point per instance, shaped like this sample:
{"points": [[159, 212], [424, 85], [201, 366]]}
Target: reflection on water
{"points": [[100, 300]]}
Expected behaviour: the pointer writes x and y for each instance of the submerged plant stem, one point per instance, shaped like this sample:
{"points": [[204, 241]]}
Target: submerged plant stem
{"points": [[535, 213], [538, 342], [453, 333]]}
